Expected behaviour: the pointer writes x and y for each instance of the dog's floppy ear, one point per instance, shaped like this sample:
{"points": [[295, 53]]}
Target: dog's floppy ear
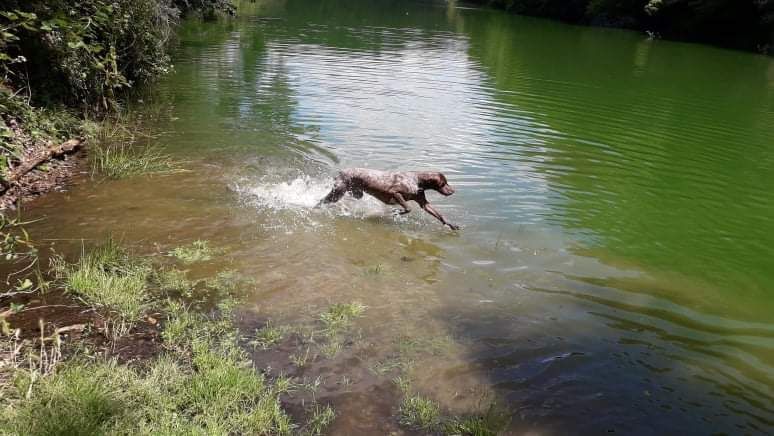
{"points": [[442, 179]]}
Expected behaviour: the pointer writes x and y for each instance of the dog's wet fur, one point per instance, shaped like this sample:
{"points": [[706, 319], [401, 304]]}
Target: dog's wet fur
{"points": [[391, 188]]}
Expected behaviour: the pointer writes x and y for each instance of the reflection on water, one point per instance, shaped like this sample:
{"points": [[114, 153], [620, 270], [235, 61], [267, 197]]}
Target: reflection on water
{"points": [[613, 273]]}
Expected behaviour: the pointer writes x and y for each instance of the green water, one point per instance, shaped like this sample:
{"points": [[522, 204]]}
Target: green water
{"points": [[615, 268]]}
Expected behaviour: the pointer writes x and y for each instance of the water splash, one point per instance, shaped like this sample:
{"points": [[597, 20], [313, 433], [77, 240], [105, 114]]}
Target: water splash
{"points": [[301, 195]]}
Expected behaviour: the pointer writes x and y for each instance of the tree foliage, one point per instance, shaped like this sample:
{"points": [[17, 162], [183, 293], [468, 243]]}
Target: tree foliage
{"points": [[86, 52], [747, 24]]}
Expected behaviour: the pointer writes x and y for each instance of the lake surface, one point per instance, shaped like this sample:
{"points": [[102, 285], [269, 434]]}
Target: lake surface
{"points": [[615, 270]]}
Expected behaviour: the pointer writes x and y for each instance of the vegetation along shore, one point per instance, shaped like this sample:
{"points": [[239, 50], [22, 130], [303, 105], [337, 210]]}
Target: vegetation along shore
{"points": [[741, 24]]}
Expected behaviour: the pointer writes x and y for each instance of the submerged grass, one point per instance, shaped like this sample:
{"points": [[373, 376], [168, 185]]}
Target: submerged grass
{"points": [[336, 321], [421, 413], [173, 280], [197, 251], [340, 316]]}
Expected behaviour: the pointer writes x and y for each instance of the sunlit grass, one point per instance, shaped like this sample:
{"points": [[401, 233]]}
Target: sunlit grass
{"points": [[122, 161], [217, 393], [119, 150], [110, 279]]}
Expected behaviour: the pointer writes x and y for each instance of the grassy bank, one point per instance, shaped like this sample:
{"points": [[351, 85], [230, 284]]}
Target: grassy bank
{"points": [[198, 380], [742, 24], [191, 370]]}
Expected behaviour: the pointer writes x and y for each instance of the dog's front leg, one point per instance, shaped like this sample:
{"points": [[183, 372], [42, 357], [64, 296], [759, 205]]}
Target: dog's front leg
{"points": [[429, 209], [402, 201]]}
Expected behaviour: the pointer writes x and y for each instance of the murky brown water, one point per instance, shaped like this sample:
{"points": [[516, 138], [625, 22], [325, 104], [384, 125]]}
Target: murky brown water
{"points": [[613, 272]]}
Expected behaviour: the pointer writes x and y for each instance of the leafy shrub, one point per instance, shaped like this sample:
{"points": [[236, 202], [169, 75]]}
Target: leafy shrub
{"points": [[86, 53]]}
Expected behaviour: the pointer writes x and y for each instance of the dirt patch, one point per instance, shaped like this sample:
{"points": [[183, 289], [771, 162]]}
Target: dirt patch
{"points": [[52, 175], [76, 324]]}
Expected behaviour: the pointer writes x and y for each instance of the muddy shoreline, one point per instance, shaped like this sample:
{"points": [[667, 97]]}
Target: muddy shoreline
{"points": [[53, 174]]}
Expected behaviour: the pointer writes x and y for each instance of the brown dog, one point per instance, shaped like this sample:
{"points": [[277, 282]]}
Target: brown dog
{"points": [[391, 188]]}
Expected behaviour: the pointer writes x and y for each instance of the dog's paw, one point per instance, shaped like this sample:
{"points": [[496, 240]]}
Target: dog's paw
{"points": [[453, 226]]}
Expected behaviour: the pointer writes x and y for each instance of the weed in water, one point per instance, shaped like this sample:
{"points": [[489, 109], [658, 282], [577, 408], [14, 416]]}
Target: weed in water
{"points": [[118, 152], [374, 270], [184, 328], [310, 386], [386, 366], [110, 279], [123, 161], [491, 423], [425, 414], [345, 382], [229, 283], [321, 418], [408, 350], [197, 251], [268, 336], [420, 413], [300, 360], [331, 348], [173, 280], [410, 347], [339, 317]]}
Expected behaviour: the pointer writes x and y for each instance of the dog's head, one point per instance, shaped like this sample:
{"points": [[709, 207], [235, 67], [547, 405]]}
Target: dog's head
{"points": [[436, 182]]}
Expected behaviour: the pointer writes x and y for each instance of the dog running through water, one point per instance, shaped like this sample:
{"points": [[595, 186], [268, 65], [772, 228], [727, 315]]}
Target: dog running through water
{"points": [[391, 188]]}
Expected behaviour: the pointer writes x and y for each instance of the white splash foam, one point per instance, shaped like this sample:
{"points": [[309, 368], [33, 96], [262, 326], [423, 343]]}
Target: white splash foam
{"points": [[301, 195]]}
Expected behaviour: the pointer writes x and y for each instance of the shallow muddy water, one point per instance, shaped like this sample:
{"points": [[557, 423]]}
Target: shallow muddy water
{"points": [[614, 272]]}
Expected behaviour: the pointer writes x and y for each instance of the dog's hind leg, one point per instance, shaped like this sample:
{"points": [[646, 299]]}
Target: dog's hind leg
{"points": [[338, 191]]}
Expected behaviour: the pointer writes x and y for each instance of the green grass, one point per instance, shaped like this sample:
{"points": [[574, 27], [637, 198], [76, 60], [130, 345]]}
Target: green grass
{"points": [[110, 279], [268, 336], [336, 321], [420, 413], [197, 251], [117, 152], [218, 392], [490, 423], [321, 418], [123, 161]]}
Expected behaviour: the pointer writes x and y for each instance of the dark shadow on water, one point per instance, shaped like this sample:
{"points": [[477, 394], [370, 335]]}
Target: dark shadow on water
{"points": [[562, 361]]}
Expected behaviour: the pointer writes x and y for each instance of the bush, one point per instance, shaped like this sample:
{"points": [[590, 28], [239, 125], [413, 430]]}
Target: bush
{"points": [[87, 53]]}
